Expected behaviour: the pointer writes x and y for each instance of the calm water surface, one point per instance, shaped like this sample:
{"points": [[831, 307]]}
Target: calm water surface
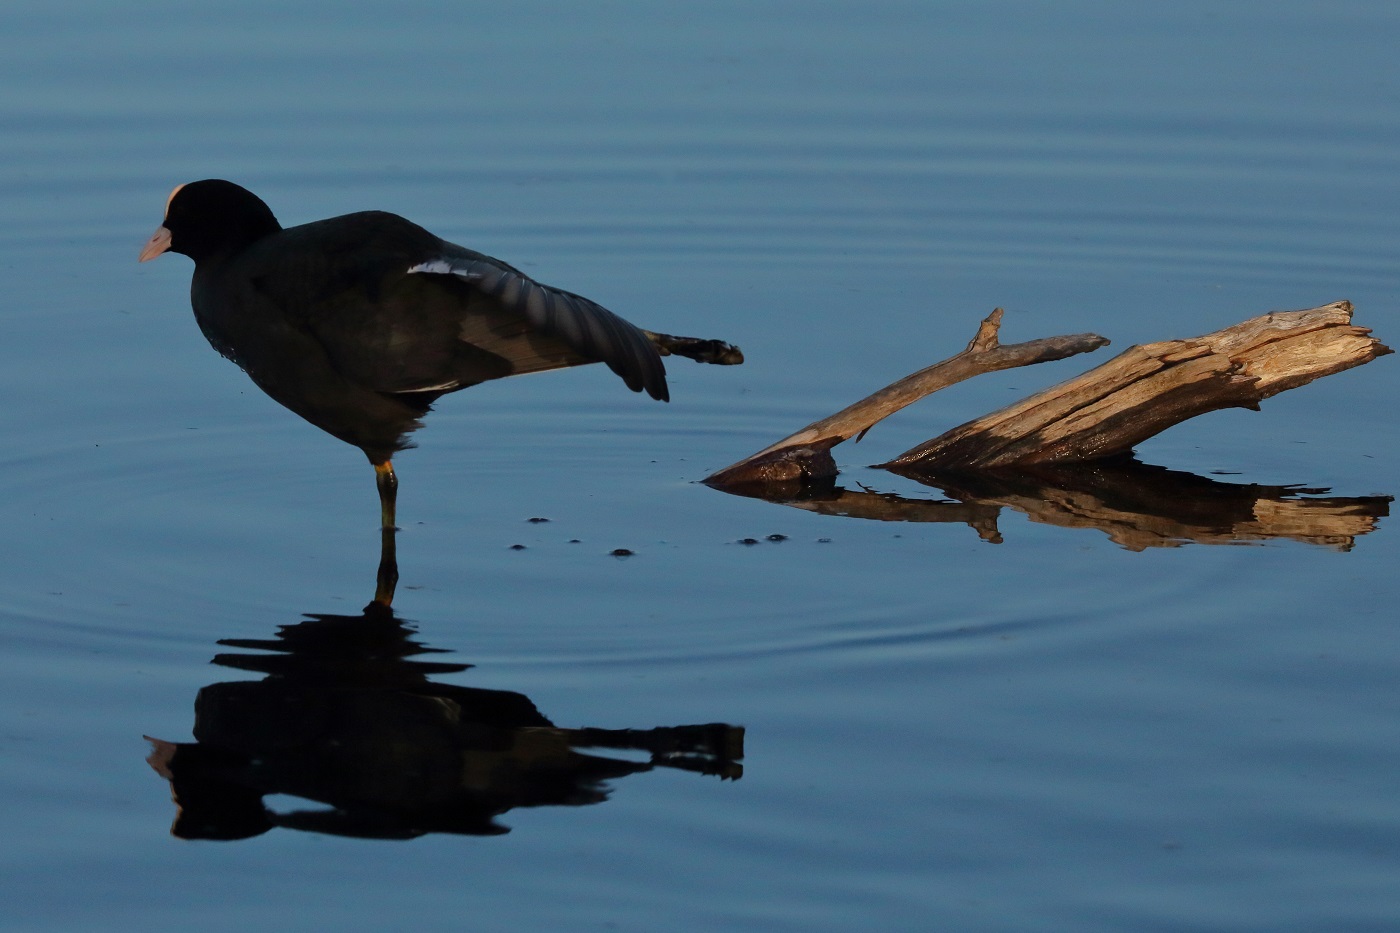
{"points": [[1053, 732]]}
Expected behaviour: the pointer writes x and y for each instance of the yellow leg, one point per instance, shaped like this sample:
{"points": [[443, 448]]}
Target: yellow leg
{"points": [[388, 485]]}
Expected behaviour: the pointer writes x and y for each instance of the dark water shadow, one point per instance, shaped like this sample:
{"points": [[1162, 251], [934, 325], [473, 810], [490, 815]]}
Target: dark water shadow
{"points": [[348, 716], [1137, 505]]}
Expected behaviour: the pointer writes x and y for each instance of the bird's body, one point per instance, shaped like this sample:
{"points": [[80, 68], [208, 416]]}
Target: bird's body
{"points": [[329, 320], [359, 322]]}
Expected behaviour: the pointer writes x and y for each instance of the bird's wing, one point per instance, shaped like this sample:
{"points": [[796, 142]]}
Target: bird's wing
{"points": [[398, 310], [587, 331]]}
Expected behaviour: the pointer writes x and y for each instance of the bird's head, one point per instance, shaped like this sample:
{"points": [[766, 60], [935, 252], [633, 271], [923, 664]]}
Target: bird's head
{"points": [[210, 218]]}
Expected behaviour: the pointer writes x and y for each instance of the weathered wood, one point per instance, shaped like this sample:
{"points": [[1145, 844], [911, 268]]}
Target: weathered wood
{"points": [[806, 455], [1101, 414], [1147, 389]]}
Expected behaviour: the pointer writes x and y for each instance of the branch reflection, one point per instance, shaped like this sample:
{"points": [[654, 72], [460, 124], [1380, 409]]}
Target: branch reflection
{"points": [[1137, 505], [349, 717]]}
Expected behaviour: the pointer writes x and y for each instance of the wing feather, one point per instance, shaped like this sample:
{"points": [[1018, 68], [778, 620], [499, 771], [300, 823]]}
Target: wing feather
{"points": [[585, 327]]}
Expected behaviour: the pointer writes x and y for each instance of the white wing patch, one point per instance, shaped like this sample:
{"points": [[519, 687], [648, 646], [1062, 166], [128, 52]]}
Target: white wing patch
{"points": [[466, 270], [584, 330], [444, 387]]}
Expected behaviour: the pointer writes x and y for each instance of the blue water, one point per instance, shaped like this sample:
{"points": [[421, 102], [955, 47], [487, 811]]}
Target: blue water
{"points": [[1054, 732]]}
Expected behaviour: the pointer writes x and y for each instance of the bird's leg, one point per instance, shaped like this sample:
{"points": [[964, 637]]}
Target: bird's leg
{"points": [[388, 576], [388, 485]]}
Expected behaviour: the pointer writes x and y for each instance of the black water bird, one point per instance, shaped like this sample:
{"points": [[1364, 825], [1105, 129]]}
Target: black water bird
{"points": [[359, 323]]}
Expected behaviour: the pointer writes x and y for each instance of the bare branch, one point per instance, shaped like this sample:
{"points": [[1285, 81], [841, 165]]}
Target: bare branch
{"points": [[1147, 389], [806, 455]]}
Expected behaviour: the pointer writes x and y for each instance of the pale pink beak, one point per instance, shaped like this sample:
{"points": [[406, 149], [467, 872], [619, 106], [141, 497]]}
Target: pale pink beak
{"points": [[157, 244]]}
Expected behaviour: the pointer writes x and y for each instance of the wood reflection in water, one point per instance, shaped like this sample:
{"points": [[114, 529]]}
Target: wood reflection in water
{"points": [[1137, 505]]}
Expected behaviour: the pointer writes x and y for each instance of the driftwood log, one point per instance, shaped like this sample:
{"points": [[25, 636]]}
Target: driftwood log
{"points": [[1099, 415], [806, 455]]}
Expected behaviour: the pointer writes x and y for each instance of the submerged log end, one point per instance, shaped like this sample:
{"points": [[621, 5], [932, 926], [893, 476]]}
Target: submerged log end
{"points": [[802, 464]]}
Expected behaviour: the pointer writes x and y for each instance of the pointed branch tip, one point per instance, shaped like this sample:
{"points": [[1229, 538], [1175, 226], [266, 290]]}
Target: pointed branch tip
{"points": [[987, 332]]}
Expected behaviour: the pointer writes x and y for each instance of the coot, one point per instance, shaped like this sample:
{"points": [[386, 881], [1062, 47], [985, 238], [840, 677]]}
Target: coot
{"points": [[359, 323]]}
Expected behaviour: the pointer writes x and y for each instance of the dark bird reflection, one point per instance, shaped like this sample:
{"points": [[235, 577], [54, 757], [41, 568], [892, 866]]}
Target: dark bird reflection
{"points": [[1137, 505], [348, 716]]}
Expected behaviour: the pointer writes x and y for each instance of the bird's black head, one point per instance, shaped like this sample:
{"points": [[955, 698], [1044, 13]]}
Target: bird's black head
{"points": [[209, 218]]}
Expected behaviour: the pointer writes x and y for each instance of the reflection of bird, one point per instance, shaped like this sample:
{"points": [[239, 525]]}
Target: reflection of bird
{"points": [[358, 323], [349, 716]]}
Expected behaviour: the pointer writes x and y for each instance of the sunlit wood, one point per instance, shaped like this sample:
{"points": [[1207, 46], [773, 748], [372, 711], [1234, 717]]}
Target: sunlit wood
{"points": [[1101, 414]]}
